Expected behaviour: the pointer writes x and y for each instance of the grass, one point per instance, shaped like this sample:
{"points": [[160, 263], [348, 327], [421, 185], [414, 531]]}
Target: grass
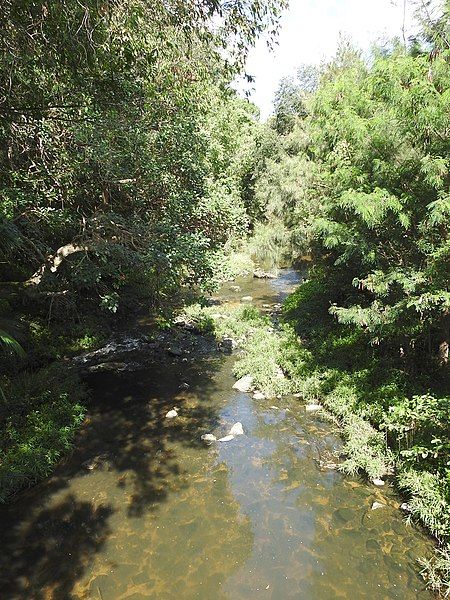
{"points": [[40, 413]]}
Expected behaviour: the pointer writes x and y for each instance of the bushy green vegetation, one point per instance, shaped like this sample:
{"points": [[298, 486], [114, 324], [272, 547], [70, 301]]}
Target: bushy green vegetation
{"points": [[130, 171], [359, 180], [40, 413], [123, 157]]}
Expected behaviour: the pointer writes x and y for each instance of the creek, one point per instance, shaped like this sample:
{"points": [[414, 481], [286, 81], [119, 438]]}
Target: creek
{"points": [[143, 509]]}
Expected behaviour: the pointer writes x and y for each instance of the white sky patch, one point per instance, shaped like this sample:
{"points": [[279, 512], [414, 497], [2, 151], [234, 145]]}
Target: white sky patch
{"points": [[310, 32]]}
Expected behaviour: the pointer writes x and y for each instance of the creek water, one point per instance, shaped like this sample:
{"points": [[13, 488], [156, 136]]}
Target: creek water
{"points": [[162, 516]]}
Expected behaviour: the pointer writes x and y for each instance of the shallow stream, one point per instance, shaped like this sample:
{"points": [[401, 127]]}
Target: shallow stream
{"points": [[162, 516]]}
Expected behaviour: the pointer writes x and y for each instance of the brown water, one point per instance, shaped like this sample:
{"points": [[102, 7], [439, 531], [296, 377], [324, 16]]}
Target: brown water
{"points": [[166, 517]]}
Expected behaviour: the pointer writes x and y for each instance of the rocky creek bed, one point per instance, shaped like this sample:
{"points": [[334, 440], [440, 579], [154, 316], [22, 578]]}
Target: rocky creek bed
{"points": [[146, 508]]}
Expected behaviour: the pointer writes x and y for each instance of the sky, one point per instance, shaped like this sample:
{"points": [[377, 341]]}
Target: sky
{"points": [[310, 32]]}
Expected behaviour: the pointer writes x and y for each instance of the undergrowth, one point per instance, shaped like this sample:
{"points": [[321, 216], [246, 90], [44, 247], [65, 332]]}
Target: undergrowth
{"points": [[40, 413]]}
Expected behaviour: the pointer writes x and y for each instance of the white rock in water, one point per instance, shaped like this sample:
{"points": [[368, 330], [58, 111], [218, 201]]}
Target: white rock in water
{"points": [[247, 299], [258, 395], [273, 407], [244, 384], [172, 414], [227, 438], [313, 407], [378, 482], [237, 429], [376, 505], [209, 438], [406, 507]]}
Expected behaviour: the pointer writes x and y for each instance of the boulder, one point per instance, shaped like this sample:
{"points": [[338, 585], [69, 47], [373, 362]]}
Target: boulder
{"points": [[313, 407], [237, 429], [227, 345], [175, 351], [172, 413], [244, 384], [108, 367], [209, 438], [279, 373]]}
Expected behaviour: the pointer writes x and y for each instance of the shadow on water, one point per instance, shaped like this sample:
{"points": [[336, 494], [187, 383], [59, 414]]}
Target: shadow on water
{"points": [[51, 533], [142, 509]]}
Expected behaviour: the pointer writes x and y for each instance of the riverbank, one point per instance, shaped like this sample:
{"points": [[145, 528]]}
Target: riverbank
{"points": [[262, 512], [394, 425], [44, 399]]}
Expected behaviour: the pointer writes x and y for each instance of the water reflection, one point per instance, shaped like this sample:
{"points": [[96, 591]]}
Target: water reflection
{"points": [[162, 516]]}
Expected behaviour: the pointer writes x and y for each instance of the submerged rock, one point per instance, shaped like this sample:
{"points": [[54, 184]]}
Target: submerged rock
{"points": [[226, 438], [237, 429], [209, 438], [244, 384], [97, 462], [235, 288], [376, 505]]}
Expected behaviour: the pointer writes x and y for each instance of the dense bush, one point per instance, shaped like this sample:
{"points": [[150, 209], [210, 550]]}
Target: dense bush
{"points": [[123, 154], [359, 179]]}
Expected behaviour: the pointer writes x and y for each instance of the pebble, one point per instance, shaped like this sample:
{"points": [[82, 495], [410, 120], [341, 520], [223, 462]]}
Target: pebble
{"points": [[376, 505], [227, 438], [247, 299], [209, 438], [172, 414], [378, 482]]}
